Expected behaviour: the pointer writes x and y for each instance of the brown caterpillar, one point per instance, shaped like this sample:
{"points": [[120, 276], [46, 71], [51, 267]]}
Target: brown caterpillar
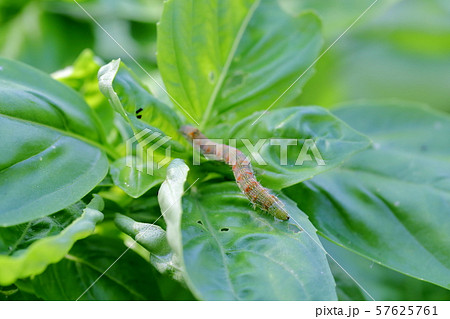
{"points": [[242, 170]]}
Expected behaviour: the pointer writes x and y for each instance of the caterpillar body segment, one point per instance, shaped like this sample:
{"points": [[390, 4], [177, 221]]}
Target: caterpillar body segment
{"points": [[277, 209], [242, 170]]}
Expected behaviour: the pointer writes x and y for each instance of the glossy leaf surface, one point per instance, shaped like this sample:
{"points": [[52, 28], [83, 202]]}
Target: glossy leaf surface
{"points": [[50, 151]]}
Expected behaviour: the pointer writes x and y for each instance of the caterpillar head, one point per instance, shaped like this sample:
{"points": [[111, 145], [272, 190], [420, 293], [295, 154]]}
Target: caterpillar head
{"points": [[277, 209]]}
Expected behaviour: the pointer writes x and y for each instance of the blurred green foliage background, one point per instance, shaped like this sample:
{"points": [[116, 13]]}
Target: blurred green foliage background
{"points": [[400, 49], [50, 34]]}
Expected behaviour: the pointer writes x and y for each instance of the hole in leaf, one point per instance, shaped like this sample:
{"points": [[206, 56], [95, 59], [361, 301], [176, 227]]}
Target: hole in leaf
{"points": [[212, 77], [199, 222], [294, 228], [237, 79], [233, 83], [224, 229]]}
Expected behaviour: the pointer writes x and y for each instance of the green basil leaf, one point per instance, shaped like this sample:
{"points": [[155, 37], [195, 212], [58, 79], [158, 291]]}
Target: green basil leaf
{"points": [[82, 77], [218, 61], [50, 151], [130, 99], [227, 251], [106, 76], [142, 118], [346, 288], [147, 117], [133, 180], [153, 238], [334, 139], [246, 254], [169, 199], [145, 208], [135, 96], [390, 203], [27, 249], [382, 283], [129, 278]]}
